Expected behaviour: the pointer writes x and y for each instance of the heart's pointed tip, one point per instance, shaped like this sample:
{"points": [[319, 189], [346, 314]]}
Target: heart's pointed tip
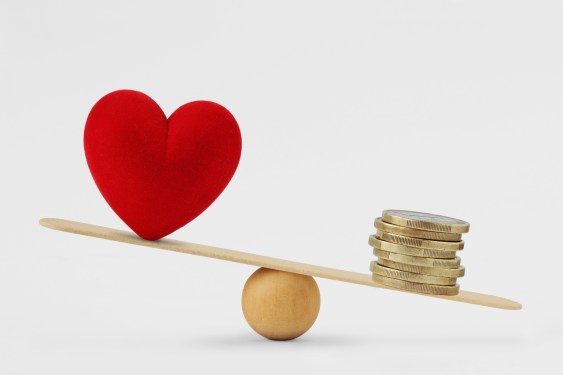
{"points": [[149, 236]]}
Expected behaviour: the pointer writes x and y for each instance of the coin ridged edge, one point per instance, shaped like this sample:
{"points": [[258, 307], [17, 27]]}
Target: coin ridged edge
{"points": [[409, 250], [416, 287], [411, 276], [419, 242], [418, 261], [416, 233], [434, 271]]}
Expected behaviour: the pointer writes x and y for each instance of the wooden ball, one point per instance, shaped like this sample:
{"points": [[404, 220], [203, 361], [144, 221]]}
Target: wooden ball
{"points": [[280, 305]]}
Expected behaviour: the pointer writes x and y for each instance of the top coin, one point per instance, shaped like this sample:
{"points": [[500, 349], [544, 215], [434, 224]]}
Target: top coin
{"points": [[424, 221]]}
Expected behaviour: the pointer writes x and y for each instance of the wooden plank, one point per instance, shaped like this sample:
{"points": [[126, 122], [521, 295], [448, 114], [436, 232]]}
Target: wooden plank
{"points": [[260, 261]]}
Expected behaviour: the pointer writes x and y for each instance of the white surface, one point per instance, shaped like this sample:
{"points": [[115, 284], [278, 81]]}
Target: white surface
{"points": [[469, 92]]}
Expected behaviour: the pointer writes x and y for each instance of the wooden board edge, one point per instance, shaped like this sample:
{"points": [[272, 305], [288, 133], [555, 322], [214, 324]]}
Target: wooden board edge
{"points": [[91, 230]]}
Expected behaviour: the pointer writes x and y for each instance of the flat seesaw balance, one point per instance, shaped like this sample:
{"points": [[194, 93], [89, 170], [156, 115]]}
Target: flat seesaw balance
{"points": [[292, 292]]}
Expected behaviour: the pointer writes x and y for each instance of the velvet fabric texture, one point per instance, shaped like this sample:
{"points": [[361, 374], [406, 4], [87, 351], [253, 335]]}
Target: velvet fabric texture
{"points": [[159, 174]]}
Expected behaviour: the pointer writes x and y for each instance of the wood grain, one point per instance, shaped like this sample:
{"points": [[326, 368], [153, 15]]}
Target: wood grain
{"points": [[261, 261], [280, 305]]}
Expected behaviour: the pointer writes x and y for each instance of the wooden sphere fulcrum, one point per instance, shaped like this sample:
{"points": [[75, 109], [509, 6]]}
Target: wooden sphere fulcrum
{"points": [[280, 305]]}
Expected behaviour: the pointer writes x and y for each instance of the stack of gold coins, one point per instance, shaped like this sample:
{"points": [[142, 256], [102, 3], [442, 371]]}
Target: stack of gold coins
{"points": [[416, 251]]}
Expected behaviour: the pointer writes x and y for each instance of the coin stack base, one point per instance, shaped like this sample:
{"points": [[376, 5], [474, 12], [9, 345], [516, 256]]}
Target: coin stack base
{"points": [[416, 251]]}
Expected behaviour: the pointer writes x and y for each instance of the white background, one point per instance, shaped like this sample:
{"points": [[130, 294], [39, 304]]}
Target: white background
{"points": [[346, 109]]}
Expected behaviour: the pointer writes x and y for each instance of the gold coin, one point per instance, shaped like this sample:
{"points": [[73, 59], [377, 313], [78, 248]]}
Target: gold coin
{"points": [[410, 276], [435, 271], [408, 250], [418, 261], [418, 242], [417, 233], [424, 221], [417, 287]]}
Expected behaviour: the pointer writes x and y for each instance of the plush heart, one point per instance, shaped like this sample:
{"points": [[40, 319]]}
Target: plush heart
{"points": [[159, 174]]}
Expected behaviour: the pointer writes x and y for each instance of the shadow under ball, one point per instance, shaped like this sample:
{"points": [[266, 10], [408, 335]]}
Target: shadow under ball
{"points": [[280, 305]]}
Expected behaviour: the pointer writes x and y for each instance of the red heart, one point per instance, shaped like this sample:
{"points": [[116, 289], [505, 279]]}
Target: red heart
{"points": [[159, 174]]}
